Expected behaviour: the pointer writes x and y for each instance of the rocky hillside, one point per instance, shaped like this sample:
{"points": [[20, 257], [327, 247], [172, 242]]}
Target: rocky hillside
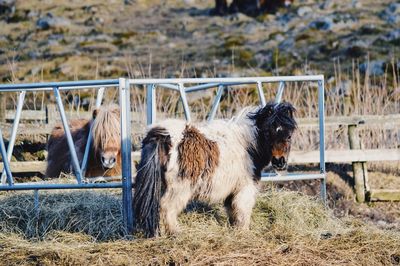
{"points": [[65, 40]]}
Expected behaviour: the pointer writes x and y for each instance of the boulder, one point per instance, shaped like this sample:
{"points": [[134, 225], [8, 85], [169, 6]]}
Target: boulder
{"points": [[357, 49], [391, 14], [374, 68], [324, 23], [304, 10], [393, 36], [51, 22], [7, 8]]}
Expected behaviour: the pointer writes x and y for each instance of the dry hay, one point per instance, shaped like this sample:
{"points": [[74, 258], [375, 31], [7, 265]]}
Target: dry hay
{"points": [[288, 228]]}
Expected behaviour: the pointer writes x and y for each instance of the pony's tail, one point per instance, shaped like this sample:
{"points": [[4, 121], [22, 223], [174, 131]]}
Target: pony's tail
{"points": [[150, 181]]}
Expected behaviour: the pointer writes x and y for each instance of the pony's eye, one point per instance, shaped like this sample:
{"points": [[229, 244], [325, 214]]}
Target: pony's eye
{"points": [[289, 138]]}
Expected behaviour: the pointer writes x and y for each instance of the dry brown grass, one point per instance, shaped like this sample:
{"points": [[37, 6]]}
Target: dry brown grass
{"points": [[287, 229]]}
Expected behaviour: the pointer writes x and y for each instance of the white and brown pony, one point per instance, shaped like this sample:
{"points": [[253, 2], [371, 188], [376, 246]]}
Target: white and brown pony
{"points": [[216, 162], [105, 152]]}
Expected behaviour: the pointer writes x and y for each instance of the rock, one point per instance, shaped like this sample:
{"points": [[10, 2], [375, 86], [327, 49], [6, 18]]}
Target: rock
{"points": [[326, 235], [392, 13], [393, 36], [287, 44], [33, 54], [325, 23], [251, 28], [279, 37], [344, 88], [304, 10], [374, 68], [99, 38], [35, 70], [49, 21], [32, 14], [328, 4], [369, 29], [356, 4], [189, 2], [357, 49], [7, 7]]}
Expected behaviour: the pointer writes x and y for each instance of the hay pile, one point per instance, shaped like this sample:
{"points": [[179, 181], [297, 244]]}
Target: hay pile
{"points": [[81, 228]]}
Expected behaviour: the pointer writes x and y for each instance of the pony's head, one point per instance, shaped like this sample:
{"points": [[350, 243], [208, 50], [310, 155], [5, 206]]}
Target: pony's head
{"points": [[276, 125], [106, 133]]}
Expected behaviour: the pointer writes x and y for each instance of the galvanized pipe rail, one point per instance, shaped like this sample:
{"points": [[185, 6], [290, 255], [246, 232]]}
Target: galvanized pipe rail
{"points": [[182, 86]]}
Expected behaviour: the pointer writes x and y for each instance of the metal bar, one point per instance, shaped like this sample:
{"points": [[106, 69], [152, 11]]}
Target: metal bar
{"points": [[61, 85], [99, 99], [60, 186], [290, 177], [13, 135], [114, 82], [36, 202], [321, 116], [169, 86], [185, 104], [74, 157], [124, 102], [261, 95], [212, 85], [201, 87], [216, 102], [6, 164], [151, 104], [278, 97], [228, 80]]}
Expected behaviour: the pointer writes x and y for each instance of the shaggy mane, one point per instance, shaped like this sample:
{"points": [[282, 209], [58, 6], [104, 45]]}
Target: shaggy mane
{"points": [[106, 127]]}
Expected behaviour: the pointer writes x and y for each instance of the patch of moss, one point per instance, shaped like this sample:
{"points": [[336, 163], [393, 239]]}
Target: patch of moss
{"points": [[302, 37], [125, 35], [246, 57], [234, 41]]}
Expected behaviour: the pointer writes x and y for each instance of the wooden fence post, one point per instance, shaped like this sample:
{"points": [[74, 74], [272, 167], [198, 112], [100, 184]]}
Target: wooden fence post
{"points": [[51, 114], [2, 107], [360, 172]]}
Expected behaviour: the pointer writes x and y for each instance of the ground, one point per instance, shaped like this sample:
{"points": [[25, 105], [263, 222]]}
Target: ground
{"points": [[64, 40], [287, 229]]}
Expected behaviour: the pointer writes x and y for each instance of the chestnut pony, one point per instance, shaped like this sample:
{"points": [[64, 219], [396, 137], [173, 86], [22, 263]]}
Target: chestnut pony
{"points": [[105, 151], [216, 162]]}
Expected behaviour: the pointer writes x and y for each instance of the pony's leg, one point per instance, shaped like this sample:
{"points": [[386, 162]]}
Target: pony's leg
{"points": [[173, 202], [229, 209], [242, 206]]}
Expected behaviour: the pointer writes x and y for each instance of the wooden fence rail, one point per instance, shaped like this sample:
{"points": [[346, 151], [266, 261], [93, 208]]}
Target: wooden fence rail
{"points": [[355, 154], [296, 157]]}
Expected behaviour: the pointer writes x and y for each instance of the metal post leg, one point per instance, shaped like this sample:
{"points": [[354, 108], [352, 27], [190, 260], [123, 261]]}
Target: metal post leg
{"points": [[184, 102], [13, 136], [99, 99], [151, 104], [124, 102], [36, 202], [321, 109], [278, 97], [261, 95], [216, 102], [71, 145], [6, 165]]}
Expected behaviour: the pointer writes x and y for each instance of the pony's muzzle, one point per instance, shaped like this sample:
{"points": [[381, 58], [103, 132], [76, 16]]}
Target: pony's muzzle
{"points": [[108, 161], [279, 163]]}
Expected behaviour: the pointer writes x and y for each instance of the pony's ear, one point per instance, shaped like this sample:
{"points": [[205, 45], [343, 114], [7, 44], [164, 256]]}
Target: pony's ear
{"points": [[95, 111], [267, 111]]}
